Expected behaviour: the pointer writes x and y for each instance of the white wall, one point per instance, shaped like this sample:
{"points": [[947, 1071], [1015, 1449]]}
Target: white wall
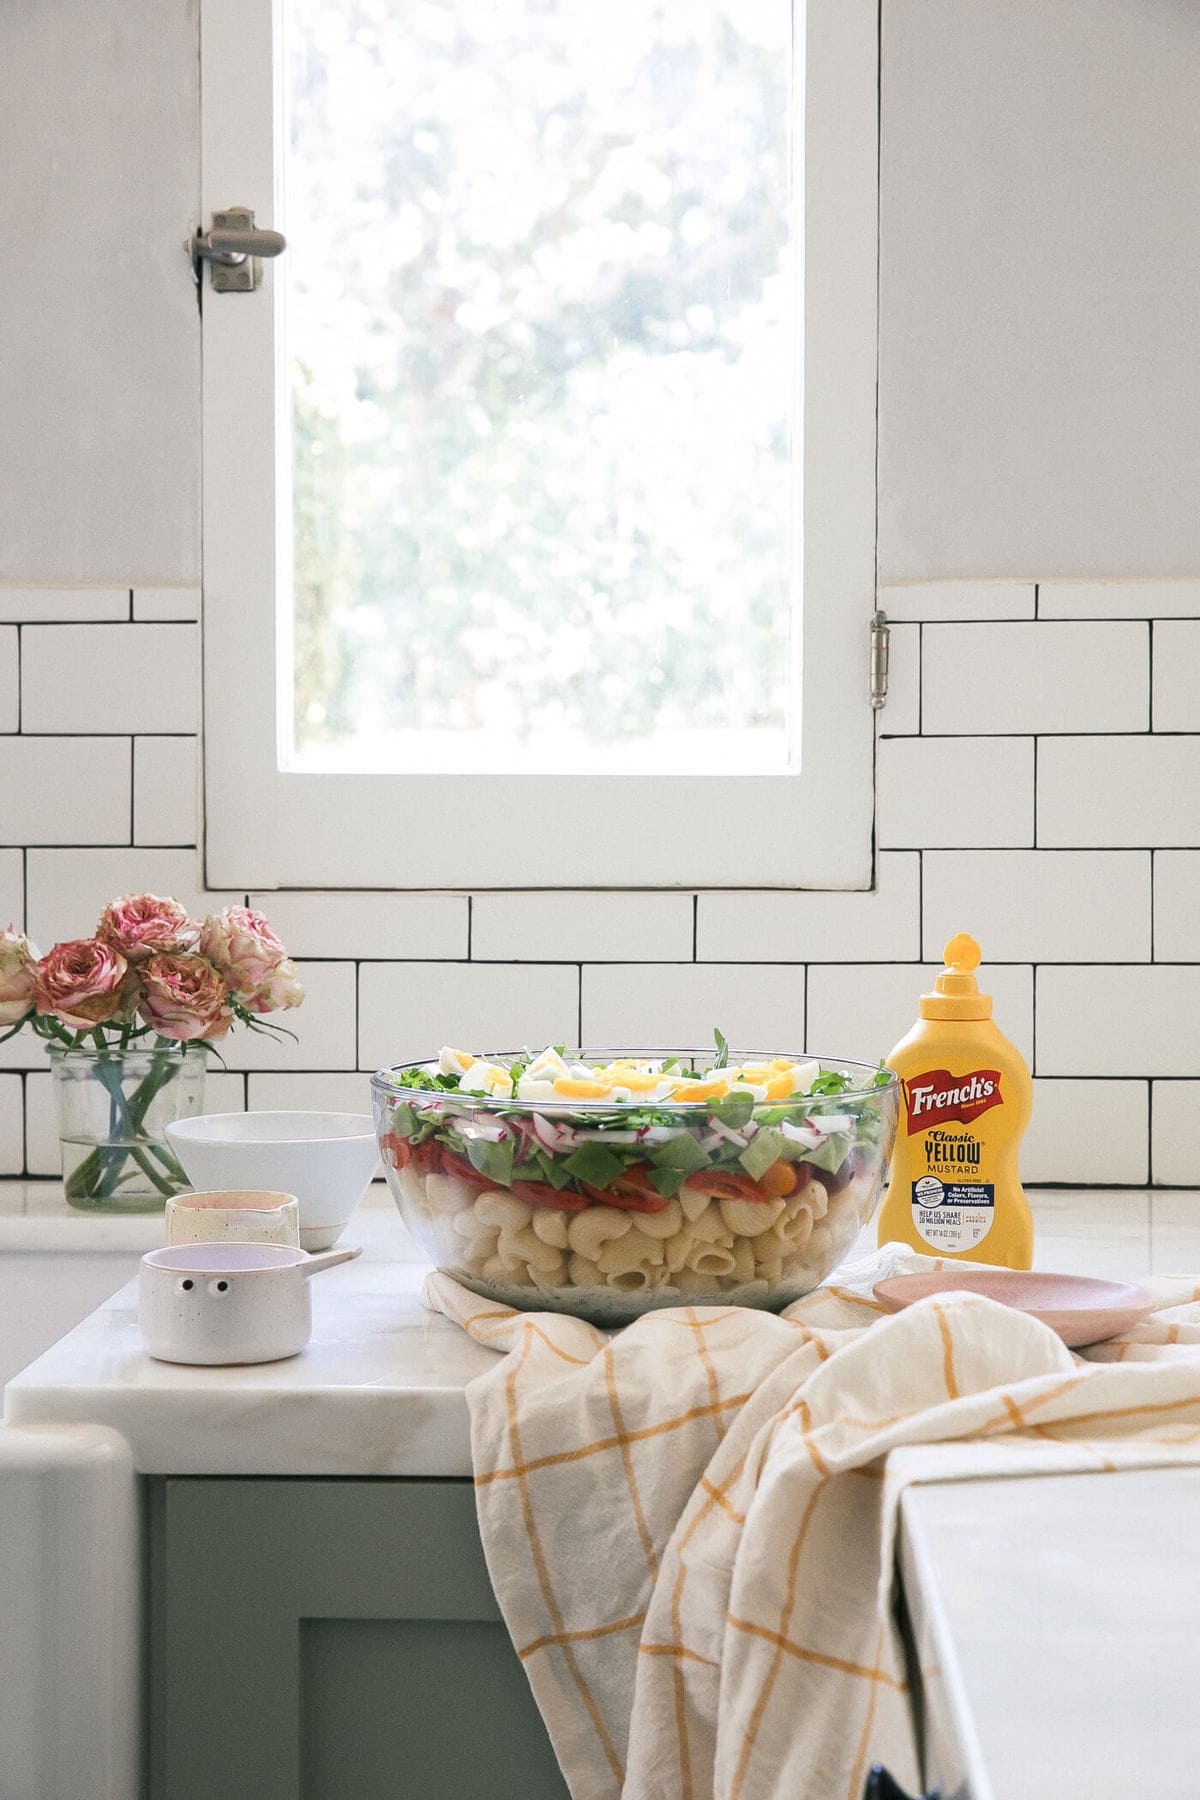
{"points": [[1039, 760], [100, 365], [1040, 261]]}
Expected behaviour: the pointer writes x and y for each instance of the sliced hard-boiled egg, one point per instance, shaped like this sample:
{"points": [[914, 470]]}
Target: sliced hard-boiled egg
{"points": [[634, 1081], [716, 1088], [537, 1090], [546, 1065], [582, 1087], [454, 1062], [486, 1078]]}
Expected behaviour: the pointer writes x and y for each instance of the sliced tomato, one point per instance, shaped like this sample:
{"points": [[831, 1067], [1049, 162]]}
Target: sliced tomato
{"points": [[427, 1156], [395, 1150], [453, 1164], [724, 1184], [540, 1193], [632, 1191]]}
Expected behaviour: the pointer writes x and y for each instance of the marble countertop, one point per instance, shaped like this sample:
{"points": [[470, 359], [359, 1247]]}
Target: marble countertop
{"points": [[1099, 1699], [379, 1390]]}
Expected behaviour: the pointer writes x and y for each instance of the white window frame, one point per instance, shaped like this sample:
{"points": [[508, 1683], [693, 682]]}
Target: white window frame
{"points": [[267, 828]]}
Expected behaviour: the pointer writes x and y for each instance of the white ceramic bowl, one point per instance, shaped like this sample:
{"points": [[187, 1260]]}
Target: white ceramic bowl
{"points": [[326, 1159]]}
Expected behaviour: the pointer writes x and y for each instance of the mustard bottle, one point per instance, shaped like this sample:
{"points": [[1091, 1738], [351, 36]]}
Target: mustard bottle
{"points": [[954, 1190]]}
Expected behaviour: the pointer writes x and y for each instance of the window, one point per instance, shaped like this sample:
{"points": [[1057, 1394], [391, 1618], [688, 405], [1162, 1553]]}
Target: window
{"points": [[539, 505]]}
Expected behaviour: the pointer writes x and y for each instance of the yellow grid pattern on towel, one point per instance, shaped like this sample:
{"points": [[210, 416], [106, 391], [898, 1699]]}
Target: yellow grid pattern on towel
{"points": [[694, 1570]]}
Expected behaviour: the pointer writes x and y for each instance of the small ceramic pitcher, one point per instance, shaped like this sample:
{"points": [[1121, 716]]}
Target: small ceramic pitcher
{"points": [[228, 1303], [239, 1215]]}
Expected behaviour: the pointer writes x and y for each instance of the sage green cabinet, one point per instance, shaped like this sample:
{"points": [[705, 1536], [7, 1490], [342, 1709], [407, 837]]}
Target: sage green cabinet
{"points": [[332, 1640]]}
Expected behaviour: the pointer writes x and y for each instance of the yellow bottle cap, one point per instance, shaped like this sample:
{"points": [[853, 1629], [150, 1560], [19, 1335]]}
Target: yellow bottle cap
{"points": [[957, 994]]}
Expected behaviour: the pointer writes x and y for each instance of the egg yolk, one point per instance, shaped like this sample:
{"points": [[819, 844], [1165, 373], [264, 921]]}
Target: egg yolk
{"points": [[576, 1088], [700, 1090], [780, 1086]]}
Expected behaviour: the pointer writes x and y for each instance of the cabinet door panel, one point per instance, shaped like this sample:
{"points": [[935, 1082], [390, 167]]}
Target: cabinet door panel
{"points": [[418, 1706], [332, 1640]]}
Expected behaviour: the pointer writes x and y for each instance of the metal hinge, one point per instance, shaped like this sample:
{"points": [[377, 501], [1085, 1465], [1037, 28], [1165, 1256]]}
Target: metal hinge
{"points": [[881, 643], [233, 246]]}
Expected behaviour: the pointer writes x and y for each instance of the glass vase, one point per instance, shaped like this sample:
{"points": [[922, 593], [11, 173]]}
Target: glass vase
{"points": [[113, 1107]]}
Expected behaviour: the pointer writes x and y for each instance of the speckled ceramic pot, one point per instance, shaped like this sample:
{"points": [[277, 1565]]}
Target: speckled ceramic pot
{"points": [[228, 1303]]}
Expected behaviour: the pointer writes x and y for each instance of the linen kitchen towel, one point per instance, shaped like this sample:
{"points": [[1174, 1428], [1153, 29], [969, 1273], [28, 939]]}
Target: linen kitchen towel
{"points": [[689, 1526]]}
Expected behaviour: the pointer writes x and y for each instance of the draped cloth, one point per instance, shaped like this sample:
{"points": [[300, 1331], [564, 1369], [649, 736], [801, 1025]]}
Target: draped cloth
{"points": [[690, 1525]]}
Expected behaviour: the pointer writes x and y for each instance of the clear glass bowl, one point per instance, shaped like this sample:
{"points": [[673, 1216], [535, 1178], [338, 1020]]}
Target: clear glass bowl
{"points": [[727, 1237]]}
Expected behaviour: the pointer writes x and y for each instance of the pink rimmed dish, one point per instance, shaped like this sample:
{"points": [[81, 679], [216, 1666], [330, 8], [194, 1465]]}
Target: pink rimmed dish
{"points": [[1080, 1308]]}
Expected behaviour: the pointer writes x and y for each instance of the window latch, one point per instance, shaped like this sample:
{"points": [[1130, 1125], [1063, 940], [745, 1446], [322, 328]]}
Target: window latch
{"points": [[233, 246], [881, 639]]}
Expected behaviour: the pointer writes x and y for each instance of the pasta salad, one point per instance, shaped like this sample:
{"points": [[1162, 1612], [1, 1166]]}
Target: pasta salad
{"points": [[604, 1182]]}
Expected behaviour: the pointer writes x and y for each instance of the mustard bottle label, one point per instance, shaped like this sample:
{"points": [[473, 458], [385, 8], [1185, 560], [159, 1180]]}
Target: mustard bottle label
{"points": [[953, 1199]]}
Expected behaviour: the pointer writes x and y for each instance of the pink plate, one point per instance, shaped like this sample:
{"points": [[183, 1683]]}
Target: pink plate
{"points": [[1081, 1309]]}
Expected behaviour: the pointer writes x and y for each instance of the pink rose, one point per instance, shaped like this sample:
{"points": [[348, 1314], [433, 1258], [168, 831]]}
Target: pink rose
{"points": [[184, 997], [18, 972], [82, 981], [240, 943], [140, 925], [279, 991]]}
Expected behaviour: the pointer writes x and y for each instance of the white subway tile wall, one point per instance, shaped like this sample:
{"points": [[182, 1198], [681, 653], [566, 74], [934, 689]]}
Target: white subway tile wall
{"points": [[1176, 661], [1175, 1131], [960, 794], [1177, 905], [12, 889], [166, 603], [12, 1125], [1072, 906], [882, 925], [1124, 1020], [627, 1004], [1119, 600], [63, 605], [110, 678], [571, 926], [1097, 1129], [1097, 792], [904, 681], [958, 600], [345, 1091], [1040, 677], [10, 679], [321, 1030], [42, 1153], [166, 790], [66, 890], [1038, 784], [408, 1010], [65, 790], [418, 927]]}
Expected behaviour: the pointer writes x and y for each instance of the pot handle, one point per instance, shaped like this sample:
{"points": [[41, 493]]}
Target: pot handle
{"points": [[325, 1259]]}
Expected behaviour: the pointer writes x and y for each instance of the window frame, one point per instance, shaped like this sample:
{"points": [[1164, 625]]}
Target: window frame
{"points": [[265, 827]]}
